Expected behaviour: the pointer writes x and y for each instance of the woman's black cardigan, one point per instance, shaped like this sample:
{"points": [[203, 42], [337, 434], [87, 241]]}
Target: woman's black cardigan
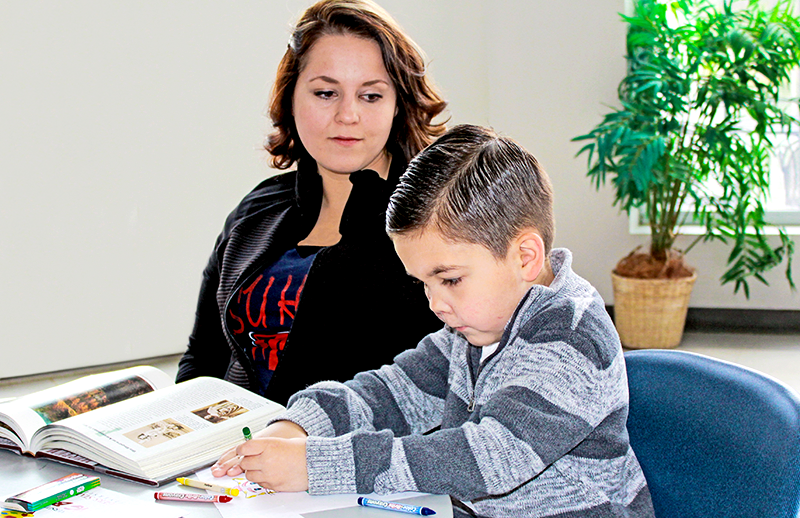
{"points": [[358, 308]]}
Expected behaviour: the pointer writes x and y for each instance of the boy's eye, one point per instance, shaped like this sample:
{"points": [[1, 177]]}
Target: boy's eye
{"points": [[451, 282]]}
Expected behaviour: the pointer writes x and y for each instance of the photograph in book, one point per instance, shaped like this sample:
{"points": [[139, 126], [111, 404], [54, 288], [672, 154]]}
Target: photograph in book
{"points": [[134, 423], [93, 399], [158, 432], [22, 417]]}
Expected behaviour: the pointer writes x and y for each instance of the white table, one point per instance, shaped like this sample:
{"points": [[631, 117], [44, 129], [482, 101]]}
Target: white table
{"points": [[18, 473]]}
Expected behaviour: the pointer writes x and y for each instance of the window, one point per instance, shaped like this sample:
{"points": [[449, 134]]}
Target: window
{"points": [[783, 203]]}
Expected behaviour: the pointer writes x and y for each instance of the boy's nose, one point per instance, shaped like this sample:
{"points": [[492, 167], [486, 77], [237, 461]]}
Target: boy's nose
{"points": [[437, 305]]}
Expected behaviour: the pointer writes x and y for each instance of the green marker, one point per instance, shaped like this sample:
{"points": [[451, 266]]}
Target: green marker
{"points": [[246, 432]]}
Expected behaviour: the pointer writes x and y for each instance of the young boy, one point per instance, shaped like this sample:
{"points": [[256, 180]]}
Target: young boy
{"points": [[524, 388]]}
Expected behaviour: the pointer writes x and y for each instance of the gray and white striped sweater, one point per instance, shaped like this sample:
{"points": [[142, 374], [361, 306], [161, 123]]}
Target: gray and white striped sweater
{"points": [[537, 430]]}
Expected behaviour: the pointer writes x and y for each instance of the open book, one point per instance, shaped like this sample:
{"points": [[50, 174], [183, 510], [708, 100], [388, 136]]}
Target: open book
{"points": [[134, 423]]}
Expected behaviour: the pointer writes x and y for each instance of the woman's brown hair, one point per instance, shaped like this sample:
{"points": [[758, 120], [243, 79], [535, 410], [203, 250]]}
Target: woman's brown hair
{"points": [[418, 102]]}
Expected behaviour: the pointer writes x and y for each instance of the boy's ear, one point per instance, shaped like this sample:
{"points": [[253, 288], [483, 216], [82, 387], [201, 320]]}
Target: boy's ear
{"points": [[530, 247]]}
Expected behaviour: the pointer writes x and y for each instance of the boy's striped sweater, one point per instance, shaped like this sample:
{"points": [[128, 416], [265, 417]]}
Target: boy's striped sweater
{"points": [[538, 429]]}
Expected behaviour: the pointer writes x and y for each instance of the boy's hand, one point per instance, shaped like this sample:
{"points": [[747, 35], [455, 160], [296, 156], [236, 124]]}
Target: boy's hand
{"points": [[228, 464], [275, 463]]}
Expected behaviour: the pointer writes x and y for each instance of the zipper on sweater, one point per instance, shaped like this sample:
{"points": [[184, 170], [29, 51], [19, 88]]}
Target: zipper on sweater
{"points": [[472, 395], [505, 339]]}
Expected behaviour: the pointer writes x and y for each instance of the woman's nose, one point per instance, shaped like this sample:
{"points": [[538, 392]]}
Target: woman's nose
{"points": [[348, 111]]}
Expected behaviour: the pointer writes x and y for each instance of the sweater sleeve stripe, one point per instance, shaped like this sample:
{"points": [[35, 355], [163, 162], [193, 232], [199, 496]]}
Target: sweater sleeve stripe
{"points": [[420, 408], [605, 441], [505, 461], [443, 463], [529, 417], [593, 328], [344, 408], [307, 414], [372, 454], [431, 376], [399, 477], [567, 379], [373, 390], [330, 465]]}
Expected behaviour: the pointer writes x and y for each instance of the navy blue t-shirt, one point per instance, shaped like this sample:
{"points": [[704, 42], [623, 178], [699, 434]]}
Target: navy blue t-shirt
{"points": [[261, 313]]}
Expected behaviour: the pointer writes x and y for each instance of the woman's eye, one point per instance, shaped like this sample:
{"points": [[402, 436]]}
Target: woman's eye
{"points": [[451, 282], [371, 98], [325, 94]]}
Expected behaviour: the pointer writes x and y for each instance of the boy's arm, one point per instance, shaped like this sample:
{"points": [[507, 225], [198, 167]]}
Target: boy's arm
{"points": [[525, 426], [405, 397], [386, 399]]}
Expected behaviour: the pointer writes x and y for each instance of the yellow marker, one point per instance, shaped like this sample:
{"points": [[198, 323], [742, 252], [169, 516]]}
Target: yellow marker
{"points": [[205, 485]]}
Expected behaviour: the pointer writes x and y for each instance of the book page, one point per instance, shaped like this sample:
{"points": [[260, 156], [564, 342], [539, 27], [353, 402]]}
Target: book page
{"points": [[20, 418], [163, 433]]}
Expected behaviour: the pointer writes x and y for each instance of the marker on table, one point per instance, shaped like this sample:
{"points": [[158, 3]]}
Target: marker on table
{"points": [[192, 497], [205, 485], [51, 492], [395, 506], [246, 432]]}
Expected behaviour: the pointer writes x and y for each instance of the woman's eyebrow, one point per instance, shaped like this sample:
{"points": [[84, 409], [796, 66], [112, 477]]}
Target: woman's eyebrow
{"points": [[325, 79], [376, 81], [333, 81]]}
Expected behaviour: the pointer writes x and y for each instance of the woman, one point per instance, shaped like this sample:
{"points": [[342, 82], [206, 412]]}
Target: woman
{"points": [[303, 279]]}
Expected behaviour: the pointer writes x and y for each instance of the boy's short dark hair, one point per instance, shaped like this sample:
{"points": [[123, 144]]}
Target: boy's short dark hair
{"points": [[474, 186]]}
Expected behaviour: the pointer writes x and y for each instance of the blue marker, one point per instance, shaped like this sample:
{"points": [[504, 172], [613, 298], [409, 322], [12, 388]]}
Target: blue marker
{"points": [[394, 506]]}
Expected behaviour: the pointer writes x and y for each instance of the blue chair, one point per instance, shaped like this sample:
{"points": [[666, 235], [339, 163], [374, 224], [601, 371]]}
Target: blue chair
{"points": [[715, 439]]}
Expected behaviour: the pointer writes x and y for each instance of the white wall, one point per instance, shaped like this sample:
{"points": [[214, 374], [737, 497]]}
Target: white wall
{"points": [[129, 129], [554, 69]]}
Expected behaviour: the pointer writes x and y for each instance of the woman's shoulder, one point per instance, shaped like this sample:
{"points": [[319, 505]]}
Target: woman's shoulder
{"points": [[275, 187], [275, 190], [274, 193]]}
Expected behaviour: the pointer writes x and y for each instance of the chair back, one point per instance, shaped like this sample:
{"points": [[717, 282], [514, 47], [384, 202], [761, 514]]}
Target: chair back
{"points": [[714, 439]]}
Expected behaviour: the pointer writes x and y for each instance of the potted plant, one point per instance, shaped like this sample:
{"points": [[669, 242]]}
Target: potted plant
{"points": [[691, 144]]}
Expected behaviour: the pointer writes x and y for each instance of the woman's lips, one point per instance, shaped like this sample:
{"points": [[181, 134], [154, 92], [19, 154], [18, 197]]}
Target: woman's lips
{"points": [[346, 141]]}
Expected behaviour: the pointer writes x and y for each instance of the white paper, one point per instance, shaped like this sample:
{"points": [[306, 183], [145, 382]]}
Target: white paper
{"points": [[100, 502], [255, 502]]}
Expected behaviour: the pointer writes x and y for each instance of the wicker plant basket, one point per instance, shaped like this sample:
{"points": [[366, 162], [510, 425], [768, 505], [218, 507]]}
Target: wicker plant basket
{"points": [[651, 313]]}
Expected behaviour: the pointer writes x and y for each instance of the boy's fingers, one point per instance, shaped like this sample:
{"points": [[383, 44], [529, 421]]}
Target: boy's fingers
{"points": [[225, 463], [221, 471], [248, 464], [235, 470], [228, 455], [254, 446]]}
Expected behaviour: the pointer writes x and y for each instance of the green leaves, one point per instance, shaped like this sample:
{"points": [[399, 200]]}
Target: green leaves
{"points": [[699, 110]]}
